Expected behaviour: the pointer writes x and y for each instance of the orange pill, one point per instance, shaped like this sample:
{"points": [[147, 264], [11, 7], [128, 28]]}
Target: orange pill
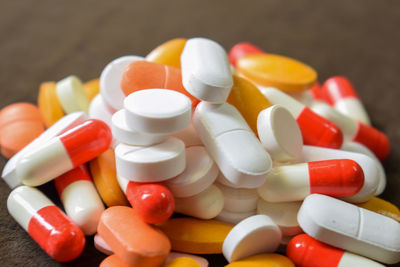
{"points": [[92, 88], [168, 53], [49, 104], [104, 176], [113, 261], [131, 239], [20, 124], [147, 75]]}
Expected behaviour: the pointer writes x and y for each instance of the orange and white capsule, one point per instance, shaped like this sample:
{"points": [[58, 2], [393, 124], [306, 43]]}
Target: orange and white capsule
{"points": [[316, 130], [52, 230], [343, 97], [306, 251], [64, 152], [80, 198], [338, 178]]}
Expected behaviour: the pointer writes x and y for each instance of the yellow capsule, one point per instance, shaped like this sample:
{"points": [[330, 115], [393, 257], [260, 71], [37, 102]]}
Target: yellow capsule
{"points": [[92, 88], [381, 206], [168, 53], [182, 262], [264, 260], [246, 97], [49, 104], [196, 236], [277, 71]]}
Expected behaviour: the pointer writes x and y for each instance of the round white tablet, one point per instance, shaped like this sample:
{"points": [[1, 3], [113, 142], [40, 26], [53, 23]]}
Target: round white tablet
{"points": [[71, 95], [200, 172], [110, 80], [151, 163], [99, 110], [279, 133], [283, 214], [254, 235], [158, 111], [238, 199], [189, 136], [234, 217], [125, 134], [223, 180]]}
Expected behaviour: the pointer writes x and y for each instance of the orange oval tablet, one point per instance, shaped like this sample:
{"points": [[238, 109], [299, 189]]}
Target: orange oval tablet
{"points": [[104, 176], [49, 104], [131, 239], [381, 206], [182, 262], [196, 236], [277, 71], [113, 261], [92, 88], [168, 53], [20, 124], [246, 97], [267, 260]]}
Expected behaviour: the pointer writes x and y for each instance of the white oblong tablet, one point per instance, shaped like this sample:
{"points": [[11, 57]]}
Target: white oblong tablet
{"points": [[351, 228], [254, 235], [205, 205], [205, 70], [283, 214], [127, 135], [110, 80], [158, 111], [234, 217], [279, 133], [200, 172], [71, 95], [238, 199], [189, 136], [152, 163], [99, 110]]}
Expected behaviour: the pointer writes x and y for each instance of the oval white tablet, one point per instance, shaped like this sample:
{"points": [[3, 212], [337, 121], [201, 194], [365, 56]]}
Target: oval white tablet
{"points": [[283, 214], [152, 163], [279, 133], [234, 217], [205, 70], [200, 172], [99, 110], [125, 134], [110, 80], [205, 205], [254, 235], [71, 95], [158, 111], [238, 199], [351, 228]]}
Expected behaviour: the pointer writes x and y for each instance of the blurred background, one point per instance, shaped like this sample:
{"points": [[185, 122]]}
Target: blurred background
{"points": [[48, 40]]}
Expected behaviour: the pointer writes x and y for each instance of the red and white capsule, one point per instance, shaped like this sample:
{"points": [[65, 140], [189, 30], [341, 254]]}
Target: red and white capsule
{"points": [[338, 178], [242, 49], [306, 251], [153, 202], [64, 152], [81, 201], [316, 130], [342, 96], [52, 230]]}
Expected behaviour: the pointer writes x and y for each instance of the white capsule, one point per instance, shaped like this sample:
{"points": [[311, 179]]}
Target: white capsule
{"points": [[71, 95], [238, 199]]}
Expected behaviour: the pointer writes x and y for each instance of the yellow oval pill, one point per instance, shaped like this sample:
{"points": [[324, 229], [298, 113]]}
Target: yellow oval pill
{"points": [[196, 236], [264, 260], [381, 206], [278, 71], [168, 53], [92, 88], [246, 97], [182, 262], [49, 104]]}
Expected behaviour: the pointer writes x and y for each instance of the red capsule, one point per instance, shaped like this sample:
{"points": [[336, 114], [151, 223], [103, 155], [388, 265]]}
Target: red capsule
{"points": [[242, 49]]}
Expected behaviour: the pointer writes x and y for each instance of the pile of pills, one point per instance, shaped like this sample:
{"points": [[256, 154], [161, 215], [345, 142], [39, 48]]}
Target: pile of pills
{"points": [[268, 167]]}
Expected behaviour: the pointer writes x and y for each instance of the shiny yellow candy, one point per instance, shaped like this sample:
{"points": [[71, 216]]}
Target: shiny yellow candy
{"points": [[182, 262], [49, 104], [277, 71], [92, 88], [246, 97], [263, 260], [196, 236], [381, 206], [168, 53]]}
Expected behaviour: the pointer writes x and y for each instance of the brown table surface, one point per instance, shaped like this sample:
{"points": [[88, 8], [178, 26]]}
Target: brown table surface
{"points": [[50, 39]]}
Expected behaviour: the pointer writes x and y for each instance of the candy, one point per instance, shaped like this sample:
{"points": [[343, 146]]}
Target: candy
{"points": [[273, 260], [92, 88], [71, 95], [146, 246], [48, 103], [168, 53], [64, 152], [51, 229]]}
